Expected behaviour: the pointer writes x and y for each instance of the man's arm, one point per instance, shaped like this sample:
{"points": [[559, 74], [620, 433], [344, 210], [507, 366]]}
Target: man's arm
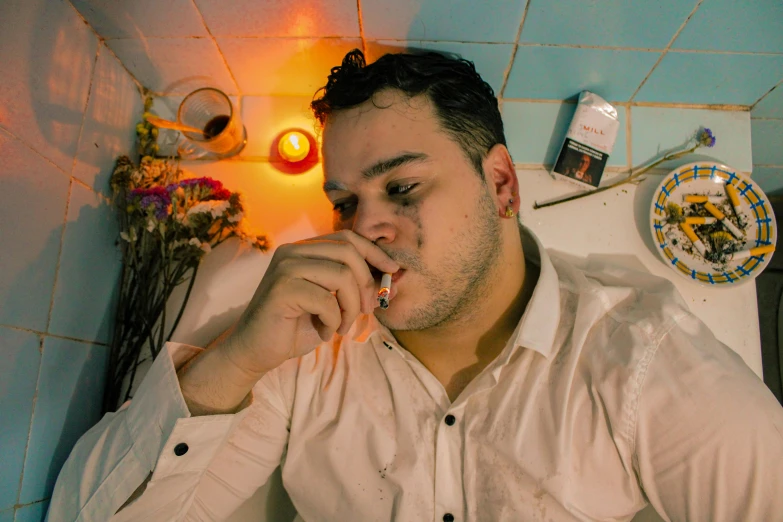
{"points": [[112, 462], [709, 440]]}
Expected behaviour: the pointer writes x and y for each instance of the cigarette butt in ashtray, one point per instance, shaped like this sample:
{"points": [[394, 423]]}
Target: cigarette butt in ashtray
{"points": [[712, 209], [700, 220], [696, 198], [383, 293], [735, 201], [694, 239], [753, 252]]}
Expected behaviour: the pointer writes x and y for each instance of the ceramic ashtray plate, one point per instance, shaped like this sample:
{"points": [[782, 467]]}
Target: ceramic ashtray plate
{"points": [[691, 237]]}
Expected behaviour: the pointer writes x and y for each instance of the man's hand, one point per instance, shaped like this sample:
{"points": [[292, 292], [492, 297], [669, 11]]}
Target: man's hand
{"points": [[311, 290]]}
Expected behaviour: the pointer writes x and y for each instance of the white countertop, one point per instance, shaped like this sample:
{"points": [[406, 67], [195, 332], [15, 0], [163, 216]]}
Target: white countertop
{"points": [[616, 222]]}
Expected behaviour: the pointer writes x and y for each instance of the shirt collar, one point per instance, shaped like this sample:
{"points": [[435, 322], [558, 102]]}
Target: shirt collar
{"points": [[536, 328]]}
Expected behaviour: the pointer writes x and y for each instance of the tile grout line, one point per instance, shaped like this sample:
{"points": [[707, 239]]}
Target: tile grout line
{"points": [[32, 416], [86, 107], [53, 336], [666, 50], [23, 142], [361, 27], [220, 51], [628, 139], [777, 85], [507, 71], [59, 255], [102, 41]]}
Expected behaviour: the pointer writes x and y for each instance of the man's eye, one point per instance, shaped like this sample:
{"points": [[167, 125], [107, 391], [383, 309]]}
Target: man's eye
{"points": [[342, 206], [401, 189]]}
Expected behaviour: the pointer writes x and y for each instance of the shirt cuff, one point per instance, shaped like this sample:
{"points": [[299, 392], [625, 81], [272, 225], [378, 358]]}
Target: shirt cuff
{"points": [[158, 418]]}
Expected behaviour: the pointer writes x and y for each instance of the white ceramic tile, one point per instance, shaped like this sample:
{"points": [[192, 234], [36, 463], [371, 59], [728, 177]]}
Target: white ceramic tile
{"points": [[20, 359], [114, 108], [46, 58], [32, 209], [90, 264], [266, 117], [280, 18], [655, 130], [175, 65], [138, 18], [283, 66], [536, 131], [69, 400]]}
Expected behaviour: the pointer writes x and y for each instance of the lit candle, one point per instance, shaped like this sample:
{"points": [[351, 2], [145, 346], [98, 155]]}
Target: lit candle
{"points": [[294, 146]]}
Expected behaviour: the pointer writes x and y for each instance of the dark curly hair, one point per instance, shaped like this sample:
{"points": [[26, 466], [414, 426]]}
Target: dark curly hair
{"points": [[464, 103]]}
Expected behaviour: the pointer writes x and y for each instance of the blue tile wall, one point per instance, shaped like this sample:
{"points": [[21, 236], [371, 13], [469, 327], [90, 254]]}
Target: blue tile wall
{"points": [[68, 404], [613, 23], [20, 359], [32, 513], [770, 106], [729, 25], [559, 73]]}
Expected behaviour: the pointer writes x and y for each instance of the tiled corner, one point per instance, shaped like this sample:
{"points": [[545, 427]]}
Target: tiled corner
{"points": [[284, 66], [712, 78], [771, 105], [19, 365], [656, 130], [728, 25], [47, 56], [305, 18], [767, 142], [114, 108], [90, 265], [32, 512], [770, 179], [456, 20], [559, 73], [175, 65], [490, 60], [142, 18], [265, 117], [536, 131], [32, 208], [612, 23], [69, 403]]}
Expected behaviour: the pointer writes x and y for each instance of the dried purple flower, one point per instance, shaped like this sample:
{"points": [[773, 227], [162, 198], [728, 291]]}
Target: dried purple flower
{"points": [[156, 199], [705, 137]]}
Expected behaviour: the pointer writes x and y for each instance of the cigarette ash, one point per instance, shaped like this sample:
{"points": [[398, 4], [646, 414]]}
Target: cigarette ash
{"points": [[719, 242]]}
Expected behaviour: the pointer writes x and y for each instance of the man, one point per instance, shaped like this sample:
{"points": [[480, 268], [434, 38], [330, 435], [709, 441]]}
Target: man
{"points": [[580, 172], [502, 383]]}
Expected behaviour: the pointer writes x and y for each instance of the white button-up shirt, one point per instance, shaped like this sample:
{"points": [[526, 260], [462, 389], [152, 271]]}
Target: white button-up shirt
{"points": [[610, 394]]}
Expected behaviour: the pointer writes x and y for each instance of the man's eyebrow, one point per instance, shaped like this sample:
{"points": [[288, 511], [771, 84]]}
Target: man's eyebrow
{"points": [[379, 169]]}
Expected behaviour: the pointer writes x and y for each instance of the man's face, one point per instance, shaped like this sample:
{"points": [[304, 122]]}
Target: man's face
{"points": [[396, 178], [584, 163]]}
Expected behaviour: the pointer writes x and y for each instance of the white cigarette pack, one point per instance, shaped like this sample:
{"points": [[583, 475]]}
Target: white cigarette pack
{"points": [[589, 141]]}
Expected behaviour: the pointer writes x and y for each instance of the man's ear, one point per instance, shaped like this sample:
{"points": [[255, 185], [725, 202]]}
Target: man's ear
{"points": [[501, 177]]}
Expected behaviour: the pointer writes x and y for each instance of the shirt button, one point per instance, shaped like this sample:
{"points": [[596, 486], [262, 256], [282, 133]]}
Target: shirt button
{"points": [[450, 420], [448, 517], [180, 449]]}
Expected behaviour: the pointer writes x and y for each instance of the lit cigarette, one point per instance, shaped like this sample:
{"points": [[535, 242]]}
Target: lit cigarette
{"points": [[383, 293], [694, 239], [735, 201], [758, 251], [699, 220], [712, 209], [694, 198]]}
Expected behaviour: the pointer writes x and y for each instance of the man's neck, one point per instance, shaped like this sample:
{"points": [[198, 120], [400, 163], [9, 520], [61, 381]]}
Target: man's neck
{"points": [[457, 352]]}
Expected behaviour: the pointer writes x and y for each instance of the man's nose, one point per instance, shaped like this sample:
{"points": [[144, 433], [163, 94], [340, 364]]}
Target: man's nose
{"points": [[375, 221]]}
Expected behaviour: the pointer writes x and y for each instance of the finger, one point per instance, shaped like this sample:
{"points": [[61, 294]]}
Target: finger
{"points": [[371, 252], [346, 254], [319, 303], [334, 277]]}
